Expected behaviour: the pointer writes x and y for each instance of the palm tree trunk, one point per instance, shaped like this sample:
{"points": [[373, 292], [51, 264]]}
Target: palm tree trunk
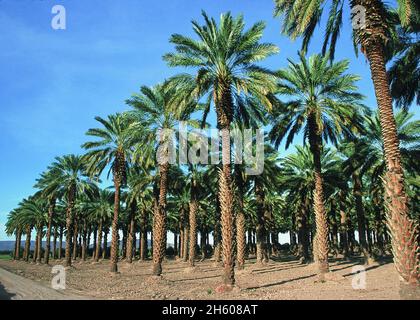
{"points": [[60, 242], [27, 243], [193, 229], [321, 236], [54, 251], [143, 236], [85, 238], [216, 234], [186, 241], [357, 193], [69, 220], [16, 255], [98, 241], [39, 246], [114, 243], [36, 246], [343, 226], [75, 235], [226, 207], [131, 231], [302, 226], [403, 231], [240, 221], [105, 244], [159, 222], [261, 232], [48, 235]]}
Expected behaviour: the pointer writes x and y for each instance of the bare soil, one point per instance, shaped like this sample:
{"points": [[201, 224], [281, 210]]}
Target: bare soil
{"points": [[279, 279]]}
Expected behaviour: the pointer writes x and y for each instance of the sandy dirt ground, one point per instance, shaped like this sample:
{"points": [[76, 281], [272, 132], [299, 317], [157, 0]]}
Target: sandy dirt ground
{"points": [[279, 279]]}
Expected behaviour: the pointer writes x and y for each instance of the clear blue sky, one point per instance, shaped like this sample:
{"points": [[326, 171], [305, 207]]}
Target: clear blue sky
{"points": [[53, 82]]}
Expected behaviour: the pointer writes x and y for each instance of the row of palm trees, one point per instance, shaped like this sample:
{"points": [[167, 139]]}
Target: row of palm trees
{"points": [[347, 150]]}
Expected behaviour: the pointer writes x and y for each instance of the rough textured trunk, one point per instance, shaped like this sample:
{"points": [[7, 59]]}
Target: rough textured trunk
{"points": [[143, 236], [131, 231], [60, 243], [403, 230], [226, 207], [105, 244], [261, 232], [360, 212], [114, 241], [203, 244], [36, 246], [48, 235], [98, 241], [216, 234], [240, 220], [75, 234], [84, 239], [27, 243], [54, 250], [224, 111], [193, 229], [159, 222], [186, 241], [302, 227], [69, 220], [343, 226], [321, 236], [16, 254], [39, 245]]}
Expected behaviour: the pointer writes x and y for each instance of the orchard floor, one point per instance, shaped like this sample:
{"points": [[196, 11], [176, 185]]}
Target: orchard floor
{"points": [[282, 278]]}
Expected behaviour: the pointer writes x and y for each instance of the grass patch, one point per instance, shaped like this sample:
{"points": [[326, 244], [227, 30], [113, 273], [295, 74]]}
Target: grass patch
{"points": [[5, 257]]}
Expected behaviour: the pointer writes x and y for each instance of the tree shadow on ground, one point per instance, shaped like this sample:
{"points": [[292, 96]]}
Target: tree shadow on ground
{"points": [[367, 268], [280, 282], [4, 295]]}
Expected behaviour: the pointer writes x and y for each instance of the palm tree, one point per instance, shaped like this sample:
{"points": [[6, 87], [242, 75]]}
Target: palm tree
{"points": [[301, 18], [69, 175], [49, 187], [297, 181], [99, 210], [111, 149], [404, 73], [324, 102], [153, 114], [224, 59]]}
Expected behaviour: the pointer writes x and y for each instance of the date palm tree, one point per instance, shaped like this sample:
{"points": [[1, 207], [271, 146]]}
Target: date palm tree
{"points": [[224, 59], [111, 150], [297, 181], [372, 27], [153, 114], [324, 102], [49, 186], [70, 176], [100, 210]]}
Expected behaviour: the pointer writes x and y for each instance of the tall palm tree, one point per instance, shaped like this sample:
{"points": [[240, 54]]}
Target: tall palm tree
{"points": [[111, 150], [70, 176], [153, 114], [324, 102], [372, 33], [224, 60]]}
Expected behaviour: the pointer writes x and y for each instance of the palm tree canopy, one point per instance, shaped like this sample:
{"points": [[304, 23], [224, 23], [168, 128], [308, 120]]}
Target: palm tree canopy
{"points": [[321, 90], [224, 60], [112, 147], [301, 18]]}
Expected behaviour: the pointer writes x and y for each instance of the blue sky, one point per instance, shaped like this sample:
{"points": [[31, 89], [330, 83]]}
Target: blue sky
{"points": [[53, 82]]}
